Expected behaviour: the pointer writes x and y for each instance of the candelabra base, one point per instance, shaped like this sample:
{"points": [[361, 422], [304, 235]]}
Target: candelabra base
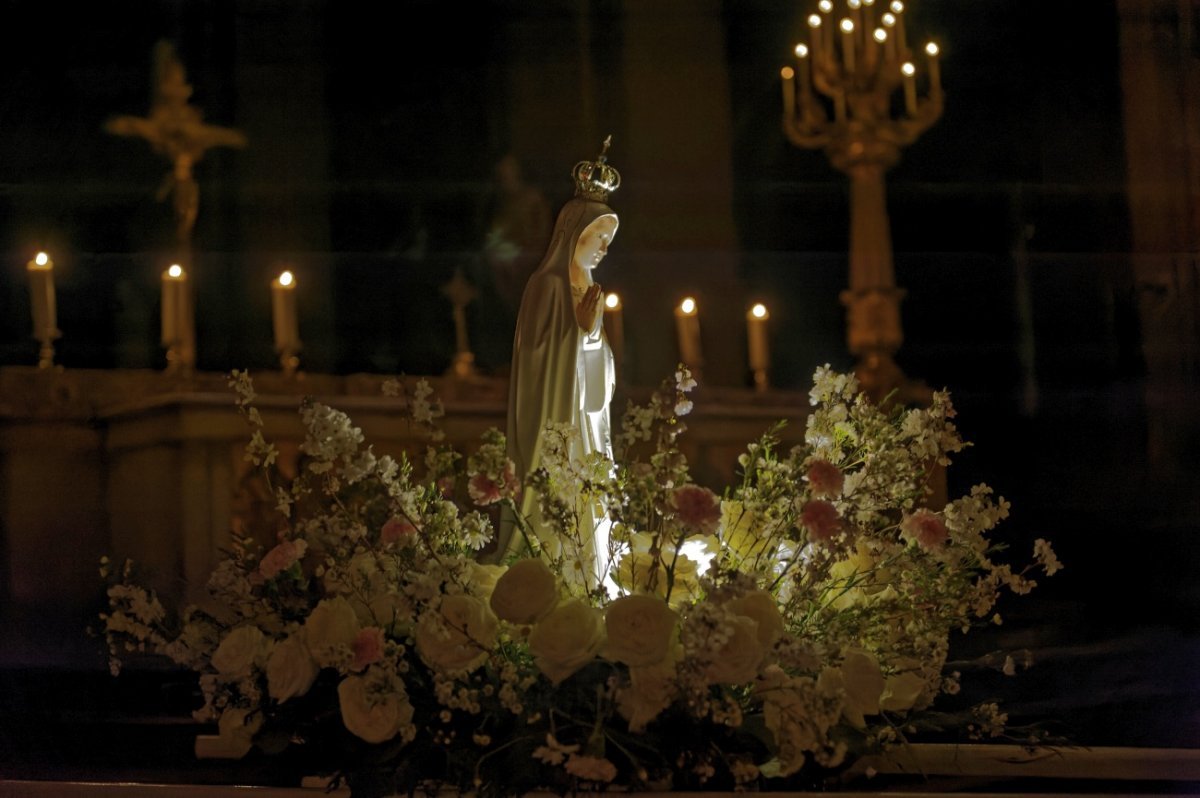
{"points": [[463, 366], [46, 354], [289, 364]]}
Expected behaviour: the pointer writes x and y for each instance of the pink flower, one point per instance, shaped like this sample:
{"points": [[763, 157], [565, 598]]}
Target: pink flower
{"points": [[446, 486], [826, 479], [398, 530], [821, 520], [281, 558], [926, 528], [698, 508], [483, 490], [368, 647]]}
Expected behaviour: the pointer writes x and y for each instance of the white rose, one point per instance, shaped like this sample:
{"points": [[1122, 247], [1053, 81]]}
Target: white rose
{"points": [[463, 638], [330, 630], [239, 651], [861, 679], [236, 730], [901, 691], [738, 658], [375, 717], [391, 611], [760, 606], [640, 630], [291, 670], [526, 592], [484, 578], [566, 640]]}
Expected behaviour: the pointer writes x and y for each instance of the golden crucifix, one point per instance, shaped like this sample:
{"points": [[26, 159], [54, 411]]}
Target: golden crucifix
{"points": [[176, 130]]}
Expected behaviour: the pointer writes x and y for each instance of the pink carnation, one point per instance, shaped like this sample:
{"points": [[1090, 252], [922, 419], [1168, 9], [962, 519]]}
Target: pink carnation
{"points": [[698, 508], [926, 528], [398, 530], [281, 558], [821, 520], [484, 490], [368, 647], [826, 479]]}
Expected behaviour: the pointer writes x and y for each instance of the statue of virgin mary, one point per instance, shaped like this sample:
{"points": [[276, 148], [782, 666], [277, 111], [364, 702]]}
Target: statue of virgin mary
{"points": [[562, 366]]}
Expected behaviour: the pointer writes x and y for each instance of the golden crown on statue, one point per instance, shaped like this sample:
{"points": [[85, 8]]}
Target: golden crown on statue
{"points": [[595, 180]]}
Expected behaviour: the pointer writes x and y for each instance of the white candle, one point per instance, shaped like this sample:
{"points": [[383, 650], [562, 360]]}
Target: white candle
{"points": [[41, 295], [174, 306], [814, 23], [935, 71], [910, 87], [283, 313], [901, 44], [756, 337], [847, 27], [687, 326], [789, 92], [614, 326], [806, 99]]}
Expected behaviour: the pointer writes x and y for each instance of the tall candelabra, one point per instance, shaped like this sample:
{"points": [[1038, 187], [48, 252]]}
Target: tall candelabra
{"points": [[854, 94]]}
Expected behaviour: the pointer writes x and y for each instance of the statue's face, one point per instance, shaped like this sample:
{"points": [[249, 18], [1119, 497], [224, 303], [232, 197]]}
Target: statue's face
{"points": [[593, 242]]}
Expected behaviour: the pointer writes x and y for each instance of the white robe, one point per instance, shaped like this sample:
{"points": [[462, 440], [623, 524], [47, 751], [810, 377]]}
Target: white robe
{"points": [[560, 374]]}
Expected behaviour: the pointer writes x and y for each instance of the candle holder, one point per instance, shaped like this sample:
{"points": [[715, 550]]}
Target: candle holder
{"points": [[46, 352], [857, 100]]}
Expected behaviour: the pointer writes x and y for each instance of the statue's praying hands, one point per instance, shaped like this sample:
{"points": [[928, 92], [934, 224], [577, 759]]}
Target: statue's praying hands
{"points": [[588, 307]]}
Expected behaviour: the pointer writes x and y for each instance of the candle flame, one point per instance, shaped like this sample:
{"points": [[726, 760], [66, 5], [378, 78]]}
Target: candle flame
{"points": [[825, 5], [814, 21], [931, 49], [854, 4], [908, 69], [847, 25], [897, 7], [787, 73], [802, 51], [888, 19], [880, 35], [612, 301], [175, 271], [41, 259], [759, 311], [868, 2], [286, 278], [688, 306]]}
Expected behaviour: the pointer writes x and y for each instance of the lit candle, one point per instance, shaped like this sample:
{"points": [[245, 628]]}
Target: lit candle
{"points": [[687, 326], [41, 294], [283, 313], [847, 26], [814, 24], [756, 337], [880, 39], [614, 327], [935, 71], [174, 306], [910, 87], [805, 81], [789, 92], [868, 14], [897, 8]]}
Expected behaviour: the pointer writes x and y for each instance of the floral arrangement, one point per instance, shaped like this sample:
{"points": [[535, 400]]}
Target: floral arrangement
{"points": [[764, 637]]}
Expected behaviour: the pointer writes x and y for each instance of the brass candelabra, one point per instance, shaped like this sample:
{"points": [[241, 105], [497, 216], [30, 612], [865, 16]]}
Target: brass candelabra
{"points": [[854, 94]]}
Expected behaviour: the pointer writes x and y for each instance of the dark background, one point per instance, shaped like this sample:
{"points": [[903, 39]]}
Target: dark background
{"points": [[372, 144]]}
